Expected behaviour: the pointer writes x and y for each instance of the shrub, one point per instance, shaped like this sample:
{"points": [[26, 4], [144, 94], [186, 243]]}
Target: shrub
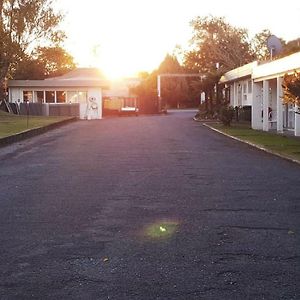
{"points": [[226, 115]]}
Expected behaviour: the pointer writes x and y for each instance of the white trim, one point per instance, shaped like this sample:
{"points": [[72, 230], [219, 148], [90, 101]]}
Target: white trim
{"points": [[277, 68]]}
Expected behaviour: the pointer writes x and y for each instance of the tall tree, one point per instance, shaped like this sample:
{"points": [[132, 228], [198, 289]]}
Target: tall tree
{"points": [[217, 43], [45, 62], [25, 24], [174, 90], [217, 47], [261, 51], [259, 45], [28, 68], [170, 65], [146, 92], [291, 47], [56, 60]]}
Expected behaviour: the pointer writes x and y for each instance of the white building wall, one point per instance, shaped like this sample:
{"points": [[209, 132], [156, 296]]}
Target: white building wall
{"points": [[240, 95], [265, 99], [246, 92], [272, 104], [297, 121], [232, 95], [15, 95], [87, 110], [266, 93], [95, 113], [256, 120], [235, 94], [280, 109]]}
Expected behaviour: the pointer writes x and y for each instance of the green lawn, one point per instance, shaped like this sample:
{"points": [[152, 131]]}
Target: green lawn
{"points": [[286, 146], [12, 124]]}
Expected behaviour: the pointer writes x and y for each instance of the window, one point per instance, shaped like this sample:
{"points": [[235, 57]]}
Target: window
{"points": [[27, 96], [82, 97], [39, 96], [244, 88], [50, 96], [60, 97], [76, 97], [72, 97], [249, 86]]}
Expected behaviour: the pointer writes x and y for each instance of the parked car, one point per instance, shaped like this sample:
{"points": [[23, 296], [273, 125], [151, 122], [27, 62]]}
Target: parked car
{"points": [[128, 110]]}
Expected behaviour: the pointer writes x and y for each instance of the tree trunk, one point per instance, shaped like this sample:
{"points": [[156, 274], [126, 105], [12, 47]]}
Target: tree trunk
{"points": [[3, 73], [206, 100]]}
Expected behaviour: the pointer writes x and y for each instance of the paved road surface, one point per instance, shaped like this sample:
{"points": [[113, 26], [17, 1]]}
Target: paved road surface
{"points": [[155, 207]]}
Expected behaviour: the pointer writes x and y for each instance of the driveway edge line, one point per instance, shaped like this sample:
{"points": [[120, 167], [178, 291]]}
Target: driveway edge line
{"points": [[253, 145], [32, 132]]}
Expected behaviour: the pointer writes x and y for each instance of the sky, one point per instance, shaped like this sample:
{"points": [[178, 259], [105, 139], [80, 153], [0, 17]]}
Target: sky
{"points": [[124, 37]]}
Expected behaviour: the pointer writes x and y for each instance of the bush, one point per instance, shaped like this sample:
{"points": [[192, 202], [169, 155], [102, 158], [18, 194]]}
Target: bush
{"points": [[226, 115]]}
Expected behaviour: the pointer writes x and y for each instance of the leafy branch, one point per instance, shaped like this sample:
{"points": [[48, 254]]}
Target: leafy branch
{"points": [[291, 88]]}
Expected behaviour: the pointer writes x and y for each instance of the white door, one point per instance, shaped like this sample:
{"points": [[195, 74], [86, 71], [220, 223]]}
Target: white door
{"points": [[94, 109]]}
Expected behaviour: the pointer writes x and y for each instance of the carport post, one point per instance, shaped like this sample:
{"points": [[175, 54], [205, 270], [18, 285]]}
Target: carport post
{"points": [[266, 87], [279, 105]]}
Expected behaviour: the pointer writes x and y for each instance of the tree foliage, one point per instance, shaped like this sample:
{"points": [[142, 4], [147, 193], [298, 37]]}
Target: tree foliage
{"points": [[146, 92], [174, 91], [259, 45], [291, 47], [170, 65], [56, 60], [44, 62], [28, 68], [291, 88], [216, 42], [260, 49], [25, 24], [216, 47]]}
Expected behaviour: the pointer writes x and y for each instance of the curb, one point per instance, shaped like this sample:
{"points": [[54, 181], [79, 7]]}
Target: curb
{"points": [[32, 132], [253, 145]]}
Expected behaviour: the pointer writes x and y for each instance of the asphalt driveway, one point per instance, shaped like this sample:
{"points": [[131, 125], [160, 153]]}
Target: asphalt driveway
{"points": [[155, 207]]}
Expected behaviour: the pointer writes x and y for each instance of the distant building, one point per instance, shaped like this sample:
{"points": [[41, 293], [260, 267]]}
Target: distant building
{"points": [[80, 89], [83, 92], [120, 96], [259, 86]]}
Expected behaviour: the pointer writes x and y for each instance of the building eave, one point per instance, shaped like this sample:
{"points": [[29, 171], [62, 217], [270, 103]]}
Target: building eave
{"points": [[103, 84], [277, 68]]}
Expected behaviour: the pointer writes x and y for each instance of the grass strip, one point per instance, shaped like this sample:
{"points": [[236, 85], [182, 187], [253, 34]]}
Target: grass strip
{"points": [[287, 146], [12, 124]]}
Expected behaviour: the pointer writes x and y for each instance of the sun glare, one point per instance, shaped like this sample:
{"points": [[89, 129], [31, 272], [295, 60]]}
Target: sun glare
{"points": [[133, 36], [119, 44], [117, 66]]}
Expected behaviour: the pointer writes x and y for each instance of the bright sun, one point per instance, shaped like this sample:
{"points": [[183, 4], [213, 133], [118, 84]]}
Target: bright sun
{"points": [[116, 57], [119, 44], [116, 63]]}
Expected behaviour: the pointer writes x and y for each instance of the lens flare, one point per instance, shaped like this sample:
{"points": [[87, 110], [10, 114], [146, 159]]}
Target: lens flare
{"points": [[161, 229]]}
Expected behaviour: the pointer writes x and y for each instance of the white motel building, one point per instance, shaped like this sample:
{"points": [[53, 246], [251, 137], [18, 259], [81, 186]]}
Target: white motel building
{"points": [[259, 86], [82, 88]]}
